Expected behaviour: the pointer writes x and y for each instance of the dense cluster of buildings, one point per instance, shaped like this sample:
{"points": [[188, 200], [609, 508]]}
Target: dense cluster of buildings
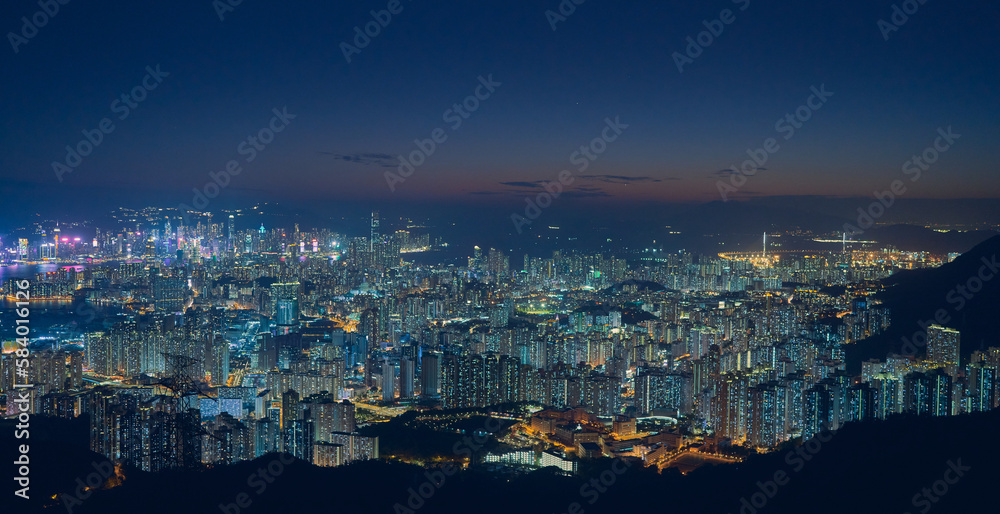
{"points": [[216, 345]]}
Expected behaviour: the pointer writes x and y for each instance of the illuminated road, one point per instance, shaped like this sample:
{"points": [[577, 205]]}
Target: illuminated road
{"points": [[688, 460], [389, 412]]}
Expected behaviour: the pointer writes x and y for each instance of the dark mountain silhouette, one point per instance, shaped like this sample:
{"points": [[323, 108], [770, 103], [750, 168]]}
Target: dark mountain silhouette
{"points": [[914, 238], [754, 217], [916, 296], [865, 467]]}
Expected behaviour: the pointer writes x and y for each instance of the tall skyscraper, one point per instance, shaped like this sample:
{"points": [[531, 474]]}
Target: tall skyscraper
{"points": [[285, 305], [407, 377], [388, 381], [928, 393], [289, 408], [267, 436], [169, 291], [329, 415], [217, 357], [982, 387], [943, 348], [231, 242], [430, 375]]}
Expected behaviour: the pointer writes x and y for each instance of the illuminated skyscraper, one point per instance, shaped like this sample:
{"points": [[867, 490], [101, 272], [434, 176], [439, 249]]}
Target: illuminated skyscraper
{"points": [[818, 410], [943, 348], [299, 438], [217, 353], [982, 387], [267, 436], [388, 380], [887, 395], [449, 380], [356, 447], [928, 393], [169, 291], [407, 377], [861, 404], [656, 389], [327, 454], [328, 415], [286, 312], [766, 422], [285, 305], [289, 408], [430, 375]]}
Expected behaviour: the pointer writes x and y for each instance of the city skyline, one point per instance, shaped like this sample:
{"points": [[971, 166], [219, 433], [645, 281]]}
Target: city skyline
{"points": [[189, 343], [569, 256]]}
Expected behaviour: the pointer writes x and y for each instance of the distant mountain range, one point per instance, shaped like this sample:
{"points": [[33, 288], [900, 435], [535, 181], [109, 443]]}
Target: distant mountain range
{"points": [[913, 238]]}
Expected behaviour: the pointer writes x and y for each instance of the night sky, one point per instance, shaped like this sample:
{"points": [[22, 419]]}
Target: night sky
{"points": [[605, 60]]}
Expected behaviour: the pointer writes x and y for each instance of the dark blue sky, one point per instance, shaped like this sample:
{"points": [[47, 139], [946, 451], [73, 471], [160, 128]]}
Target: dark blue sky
{"points": [[606, 59]]}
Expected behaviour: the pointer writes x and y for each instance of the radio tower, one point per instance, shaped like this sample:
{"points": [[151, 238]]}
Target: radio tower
{"points": [[764, 251], [847, 257]]}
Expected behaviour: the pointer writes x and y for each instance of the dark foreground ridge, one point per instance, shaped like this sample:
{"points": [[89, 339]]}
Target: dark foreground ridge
{"points": [[901, 465]]}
